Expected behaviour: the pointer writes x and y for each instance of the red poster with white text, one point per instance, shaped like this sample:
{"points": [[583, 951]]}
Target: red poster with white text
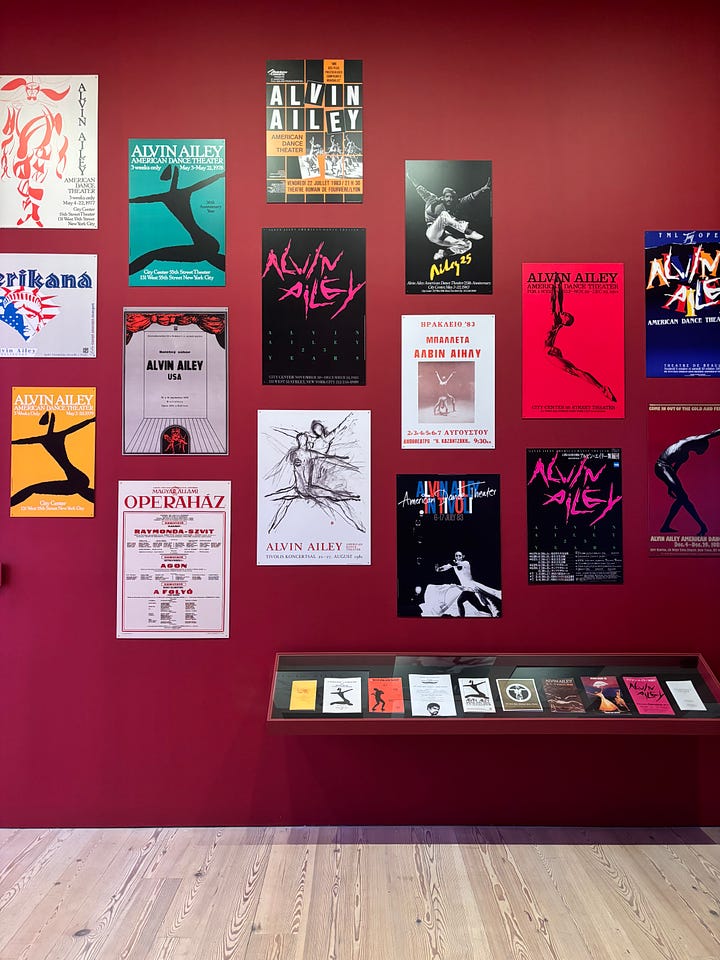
{"points": [[573, 361]]}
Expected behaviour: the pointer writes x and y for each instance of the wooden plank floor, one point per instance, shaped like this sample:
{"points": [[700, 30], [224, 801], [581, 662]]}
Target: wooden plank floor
{"points": [[356, 893]]}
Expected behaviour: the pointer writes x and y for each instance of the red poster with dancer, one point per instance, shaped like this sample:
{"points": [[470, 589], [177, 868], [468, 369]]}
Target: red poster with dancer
{"points": [[683, 479], [573, 362]]}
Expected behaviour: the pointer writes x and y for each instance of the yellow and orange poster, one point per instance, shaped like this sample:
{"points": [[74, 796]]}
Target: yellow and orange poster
{"points": [[303, 694], [52, 467]]}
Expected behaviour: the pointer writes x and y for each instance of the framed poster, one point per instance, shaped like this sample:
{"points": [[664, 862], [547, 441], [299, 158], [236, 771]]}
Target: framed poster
{"points": [[313, 306], [48, 151], [47, 305], [448, 382], [448, 226], [177, 213], [573, 341], [173, 569], [682, 303], [314, 131], [175, 381], [313, 487]]}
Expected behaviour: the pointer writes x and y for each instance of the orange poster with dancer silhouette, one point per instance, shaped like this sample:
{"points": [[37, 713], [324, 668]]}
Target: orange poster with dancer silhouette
{"points": [[52, 471]]}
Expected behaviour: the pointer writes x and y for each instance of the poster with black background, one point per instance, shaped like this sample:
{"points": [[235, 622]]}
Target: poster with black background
{"points": [[313, 306], [448, 226], [574, 515], [448, 545]]}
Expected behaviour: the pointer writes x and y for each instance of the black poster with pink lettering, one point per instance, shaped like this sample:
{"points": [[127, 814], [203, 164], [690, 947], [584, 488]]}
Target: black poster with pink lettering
{"points": [[574, 515], [313, 306]]}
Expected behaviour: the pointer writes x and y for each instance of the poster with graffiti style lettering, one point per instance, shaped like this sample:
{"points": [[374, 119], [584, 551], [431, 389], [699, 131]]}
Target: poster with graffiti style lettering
{"points": [[683, 468], [448, 382], [52, 462], [313, 306], [448, 226], [682, 303], [313, 487], [573, 353], [177, 213], [175, 381], [574, 516], [448, 545], [48, 151], [47, 305], [314, 131]]}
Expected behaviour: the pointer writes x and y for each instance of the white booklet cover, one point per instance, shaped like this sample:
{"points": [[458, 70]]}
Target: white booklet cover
{"points": [[342, 695], [476, 695], [431, 695], [685, 694]]}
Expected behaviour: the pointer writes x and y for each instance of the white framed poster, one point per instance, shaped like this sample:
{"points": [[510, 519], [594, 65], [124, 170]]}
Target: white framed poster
{"points": [[173, 559]]}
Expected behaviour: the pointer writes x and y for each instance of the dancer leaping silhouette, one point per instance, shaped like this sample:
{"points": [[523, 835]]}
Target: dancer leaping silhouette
{"points": [[54, 443]]}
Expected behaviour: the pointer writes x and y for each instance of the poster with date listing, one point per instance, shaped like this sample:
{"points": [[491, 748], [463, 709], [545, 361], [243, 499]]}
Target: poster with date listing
{"points": [[448, 545], [314, 131], [683, 469], [574, 516], [48, 150], [682, 303], [448, 226], [448, 382], [313, 487], [313, 306], [177, 213], [573, 341]]}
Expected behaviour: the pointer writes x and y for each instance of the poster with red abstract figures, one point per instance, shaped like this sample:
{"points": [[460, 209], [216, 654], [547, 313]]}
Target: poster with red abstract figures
{"points": [[48, 151]]}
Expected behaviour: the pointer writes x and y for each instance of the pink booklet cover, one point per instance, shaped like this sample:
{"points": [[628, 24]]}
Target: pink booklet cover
{"points": [[648, 696]]}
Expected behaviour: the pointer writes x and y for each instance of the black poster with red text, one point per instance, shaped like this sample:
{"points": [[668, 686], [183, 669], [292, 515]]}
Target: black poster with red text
{"points": [[313, 306], [574, 515]]}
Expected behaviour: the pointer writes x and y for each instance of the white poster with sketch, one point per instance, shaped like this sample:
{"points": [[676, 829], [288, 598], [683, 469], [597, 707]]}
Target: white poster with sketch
{"points": [[342, 695], [47, 304], [448, 382], [313, 487], [431, 695], [476, 695], [48, 151]]}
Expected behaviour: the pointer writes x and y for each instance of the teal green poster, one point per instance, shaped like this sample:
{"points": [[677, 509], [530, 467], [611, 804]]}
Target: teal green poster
{"points": [[177, 213]]}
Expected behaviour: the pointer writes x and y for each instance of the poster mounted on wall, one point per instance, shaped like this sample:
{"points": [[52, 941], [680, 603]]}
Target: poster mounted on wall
{"points": [[313, 306], [52, 464], [313, 487], [314, 131], [177, 213], [574, 515], [448, 226], [173, 566], [682, 303], [48, 151], [448, 382], [448, 545], [175, 381], [573, 352], [47, 305], [683, 479]]}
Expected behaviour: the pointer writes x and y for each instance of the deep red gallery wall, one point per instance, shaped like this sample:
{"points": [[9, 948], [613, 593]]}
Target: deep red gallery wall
{"points": [[600, 124]]}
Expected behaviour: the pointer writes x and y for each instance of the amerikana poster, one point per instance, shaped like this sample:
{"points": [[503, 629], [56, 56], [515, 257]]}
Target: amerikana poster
{"points": [[448, 545], [175, 381], [177, 213], [313, 306], [52, 466], [314, 131], [684, 479], [47, 305], [48, 151], [448, 382], [682, 303], [448, 226], [573, 341], [313, 487], [574, 515]]}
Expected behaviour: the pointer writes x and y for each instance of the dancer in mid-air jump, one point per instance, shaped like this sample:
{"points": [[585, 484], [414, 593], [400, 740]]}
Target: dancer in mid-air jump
{"points": [[447, 228], [54, 443], [666, 469]]}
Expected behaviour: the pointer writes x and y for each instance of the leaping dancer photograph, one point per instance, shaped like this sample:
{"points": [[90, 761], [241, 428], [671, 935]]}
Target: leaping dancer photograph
{"points": [[448, 228]]}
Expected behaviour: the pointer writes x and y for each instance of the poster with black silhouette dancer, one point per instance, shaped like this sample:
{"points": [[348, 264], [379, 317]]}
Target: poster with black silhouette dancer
{"points": [[175, 381], [683, 469], [476, 694], [448, 226], [52, 465], [177, 213], [342, 695], [385, 695]]}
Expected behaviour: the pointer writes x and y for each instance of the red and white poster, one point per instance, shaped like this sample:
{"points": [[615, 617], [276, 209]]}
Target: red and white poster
{"points": [[684, 479], [573, 364]]}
